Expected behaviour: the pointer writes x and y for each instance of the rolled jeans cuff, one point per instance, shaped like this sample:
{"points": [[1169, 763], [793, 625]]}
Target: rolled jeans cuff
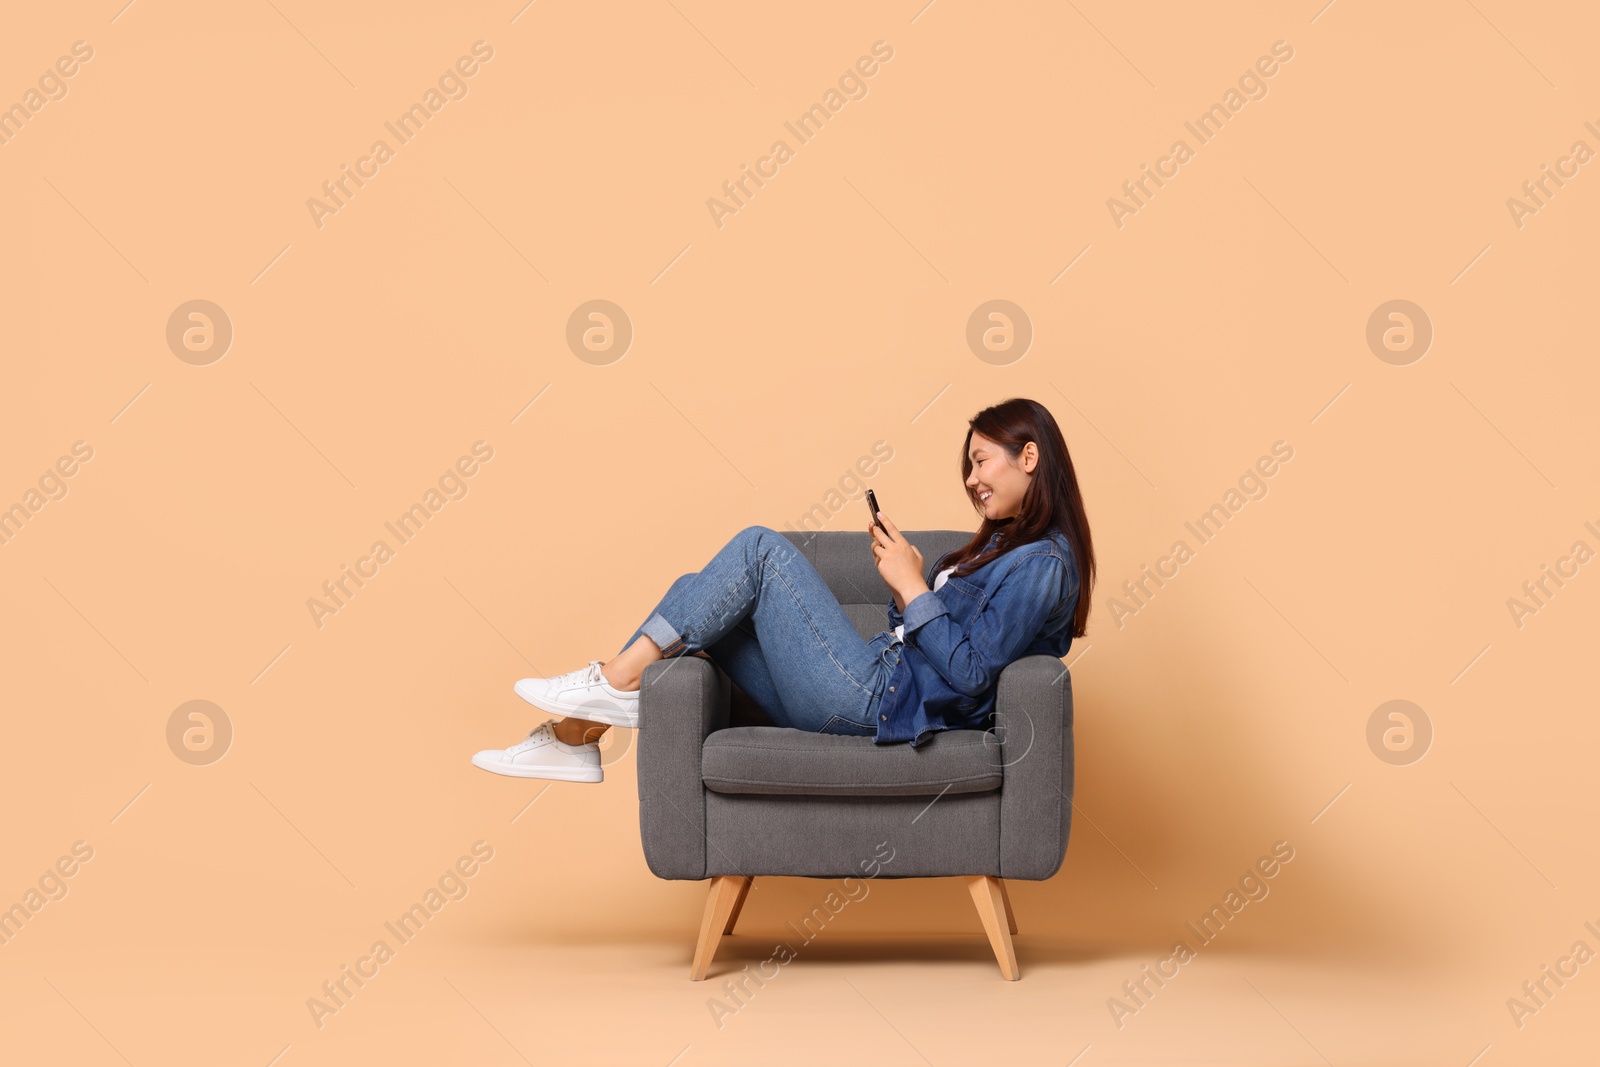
{"points": [[663, 634]]}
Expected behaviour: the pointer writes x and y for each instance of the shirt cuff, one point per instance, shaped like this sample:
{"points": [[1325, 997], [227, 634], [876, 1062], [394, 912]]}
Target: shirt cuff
{"points": [[922, 609]]}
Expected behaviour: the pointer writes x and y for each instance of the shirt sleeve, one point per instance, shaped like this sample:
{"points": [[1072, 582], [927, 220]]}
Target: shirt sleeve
{"points": [[971, 659], [896, 617]]}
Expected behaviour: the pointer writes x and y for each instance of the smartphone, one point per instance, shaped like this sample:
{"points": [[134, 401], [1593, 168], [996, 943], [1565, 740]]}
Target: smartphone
{"points": [[872, 502]]}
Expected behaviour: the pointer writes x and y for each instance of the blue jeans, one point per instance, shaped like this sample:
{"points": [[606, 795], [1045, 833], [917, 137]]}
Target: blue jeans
{"points": [[764, 615]]}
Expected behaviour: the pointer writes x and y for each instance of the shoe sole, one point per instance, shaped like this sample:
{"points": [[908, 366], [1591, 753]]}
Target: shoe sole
{"points": [[608, 716], [558, 774]]}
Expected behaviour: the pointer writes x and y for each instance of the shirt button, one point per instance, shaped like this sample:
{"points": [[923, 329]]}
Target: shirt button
{"points": [[885, 718], [891, 689]]}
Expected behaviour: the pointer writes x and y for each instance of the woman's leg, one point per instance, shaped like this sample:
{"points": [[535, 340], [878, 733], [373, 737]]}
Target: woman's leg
{"points": [[797, 654], [739, 655], [622, 671]]}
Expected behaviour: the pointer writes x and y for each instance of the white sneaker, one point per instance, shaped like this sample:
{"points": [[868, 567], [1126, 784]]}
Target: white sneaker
{"points": [[582, 694], [541, 755]]}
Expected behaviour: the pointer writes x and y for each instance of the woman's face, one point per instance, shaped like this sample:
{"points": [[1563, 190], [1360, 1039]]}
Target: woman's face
{"points": [[999, 480]]}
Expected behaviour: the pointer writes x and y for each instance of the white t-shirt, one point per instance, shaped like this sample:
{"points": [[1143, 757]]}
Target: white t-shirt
{"points": [[900, 631]]}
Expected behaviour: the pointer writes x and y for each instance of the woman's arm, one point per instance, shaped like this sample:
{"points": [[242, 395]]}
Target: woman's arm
{"points": [[971, 659], [899, 597]]}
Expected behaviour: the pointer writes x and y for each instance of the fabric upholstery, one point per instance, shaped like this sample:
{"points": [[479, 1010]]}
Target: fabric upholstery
{"points": [[681, 701], [695, 743], [1033, 722], [844, 560], [773, 759], [830, 837]]}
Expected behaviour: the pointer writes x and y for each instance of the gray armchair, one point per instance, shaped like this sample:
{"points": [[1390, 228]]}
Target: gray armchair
{"points": [[725, 795]]}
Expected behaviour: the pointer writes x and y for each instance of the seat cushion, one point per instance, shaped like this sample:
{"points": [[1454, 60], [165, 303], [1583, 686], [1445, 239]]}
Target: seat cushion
{"points": [[778, 759]]}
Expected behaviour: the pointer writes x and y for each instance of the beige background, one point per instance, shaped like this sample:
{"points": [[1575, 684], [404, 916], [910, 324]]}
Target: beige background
{"points": [[769, 354]]}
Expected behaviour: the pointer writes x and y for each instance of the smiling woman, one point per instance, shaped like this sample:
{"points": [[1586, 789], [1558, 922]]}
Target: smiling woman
{"points": [[764, 615], [1020, 587]]}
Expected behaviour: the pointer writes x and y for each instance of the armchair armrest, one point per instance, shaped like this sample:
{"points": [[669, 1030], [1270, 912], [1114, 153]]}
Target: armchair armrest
{"points": [[1033, 727], [682, 699]]}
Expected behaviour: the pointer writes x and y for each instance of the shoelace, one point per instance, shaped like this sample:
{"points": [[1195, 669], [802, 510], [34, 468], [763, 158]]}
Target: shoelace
{"points": [[536, 736], [581, 676]]}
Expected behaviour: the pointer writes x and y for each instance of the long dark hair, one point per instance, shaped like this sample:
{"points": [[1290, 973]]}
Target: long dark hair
{"points": [[1052, 500]]}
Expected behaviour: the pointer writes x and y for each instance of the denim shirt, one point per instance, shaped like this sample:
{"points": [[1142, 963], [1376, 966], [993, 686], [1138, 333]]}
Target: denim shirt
{"points": [[960, 637]]}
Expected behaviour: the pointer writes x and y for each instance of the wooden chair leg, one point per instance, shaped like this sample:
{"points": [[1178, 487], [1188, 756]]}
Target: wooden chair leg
{"points": [[738, 906], [1005, 896], [989, 896], [725, 889]]}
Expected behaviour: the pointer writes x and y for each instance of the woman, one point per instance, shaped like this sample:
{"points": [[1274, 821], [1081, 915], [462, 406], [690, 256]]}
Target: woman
{"points": [[760, 611]]}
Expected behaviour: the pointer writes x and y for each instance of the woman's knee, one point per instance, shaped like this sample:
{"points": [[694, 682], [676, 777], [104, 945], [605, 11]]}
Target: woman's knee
{"points": [[762, 540]]}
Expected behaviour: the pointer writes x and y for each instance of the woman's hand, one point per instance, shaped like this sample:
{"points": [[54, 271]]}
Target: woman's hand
{"points": [[899, 562]]}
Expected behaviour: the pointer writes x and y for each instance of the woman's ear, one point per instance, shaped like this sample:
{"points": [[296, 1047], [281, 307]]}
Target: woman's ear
{"points": [[1030, 457]]}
